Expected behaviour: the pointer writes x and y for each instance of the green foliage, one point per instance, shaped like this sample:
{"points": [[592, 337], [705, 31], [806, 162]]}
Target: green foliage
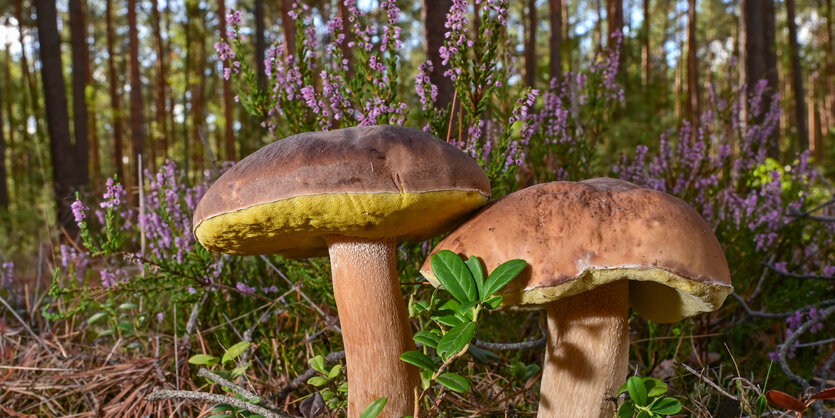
{"points": [[333, 387], [452, 324], [645, 399]]}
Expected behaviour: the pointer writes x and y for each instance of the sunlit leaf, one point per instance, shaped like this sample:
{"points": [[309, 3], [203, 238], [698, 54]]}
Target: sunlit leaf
{"points": [[502, 275], [374, 408], [454, 276], [456, 339], [454, 382], [234, 351]]}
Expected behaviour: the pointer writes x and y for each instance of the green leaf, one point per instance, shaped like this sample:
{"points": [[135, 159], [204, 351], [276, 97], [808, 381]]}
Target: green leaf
{"points": [[418, 359], [317, 381], [466, 309], [456, 339], [335, 371], [426, 338], [655, 387], [125, 326], [318, 363], [454, 276], [643, 414], [637, 391], [234, 351], [128, 306], [96, 317], [454, 382], [448, 318], [502, 275], [202, 359], [494, 301], [666, 406], [374, 408], [326, 395], [627, 410], [342, 388], [477, 270], [222, 408]]}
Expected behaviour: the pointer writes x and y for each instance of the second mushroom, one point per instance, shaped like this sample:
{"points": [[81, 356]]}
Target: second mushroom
{"points": [[594, 249]]}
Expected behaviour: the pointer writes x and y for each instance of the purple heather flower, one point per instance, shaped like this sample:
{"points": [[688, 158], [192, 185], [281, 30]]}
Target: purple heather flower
{"points": [[78, 211]]}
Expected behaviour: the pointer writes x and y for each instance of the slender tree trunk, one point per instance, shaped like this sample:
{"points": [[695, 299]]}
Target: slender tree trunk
{"points": [[347, 27], [598, 26], [4, 189], [115, 99], [797, 80], [614, 18], [161, 132], [566, 36], [434, 18], [693, 103], [65, 159], [80, 71], [758, 57], [645, 51], [289, 25], [555, 40], [14, 163], [228, 133], [260, 42], [530, 46], [830, 69], [137, 119]]}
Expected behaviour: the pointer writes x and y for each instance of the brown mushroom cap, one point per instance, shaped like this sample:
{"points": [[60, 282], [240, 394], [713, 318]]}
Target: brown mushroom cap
{"points": [[368, 182], [577, 236]]}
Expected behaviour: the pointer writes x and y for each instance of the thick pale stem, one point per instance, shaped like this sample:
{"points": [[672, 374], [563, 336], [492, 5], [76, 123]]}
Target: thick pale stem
{"points": [[375, 325], [587, 354]]}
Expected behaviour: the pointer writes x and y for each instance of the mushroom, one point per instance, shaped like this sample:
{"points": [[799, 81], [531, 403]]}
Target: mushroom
{"points": [[354, 194], [594, 248]]}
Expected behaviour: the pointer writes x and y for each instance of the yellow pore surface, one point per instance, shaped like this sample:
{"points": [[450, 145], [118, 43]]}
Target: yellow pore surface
{"points": [[297, 227], [654, 293]]}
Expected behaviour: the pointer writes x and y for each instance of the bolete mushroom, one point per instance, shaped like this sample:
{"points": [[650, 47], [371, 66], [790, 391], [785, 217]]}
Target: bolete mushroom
{"points": [[354, 194], [594, 248]]}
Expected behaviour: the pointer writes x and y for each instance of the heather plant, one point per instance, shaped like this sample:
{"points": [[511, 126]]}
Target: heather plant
{"points": [[762, 211], [572, 123]]}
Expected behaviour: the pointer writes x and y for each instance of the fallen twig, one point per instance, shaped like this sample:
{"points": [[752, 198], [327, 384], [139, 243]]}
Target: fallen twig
{"points": [[163, 394]]}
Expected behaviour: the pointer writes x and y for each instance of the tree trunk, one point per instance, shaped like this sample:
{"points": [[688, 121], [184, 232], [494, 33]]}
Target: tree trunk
{"points": [[693, 103], [161, 131], [645, 51], [434, 18], [797, 80], [80, 71], [64, 157], [758, 58], [4, 191], [614, 18], [566, 36], [14, 163], [260, 43], [830, 69], [228, 133], [137, 123], [530, 46], [115, 99], [289, 25], [555, 40]]}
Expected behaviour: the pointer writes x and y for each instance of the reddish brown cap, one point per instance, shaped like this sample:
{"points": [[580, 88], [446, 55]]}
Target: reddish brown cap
{"points": [[576, 236], [368, 181]]}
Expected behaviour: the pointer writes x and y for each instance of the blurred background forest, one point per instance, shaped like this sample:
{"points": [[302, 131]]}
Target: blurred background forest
{"points": [[141, 90], [141, 77]]}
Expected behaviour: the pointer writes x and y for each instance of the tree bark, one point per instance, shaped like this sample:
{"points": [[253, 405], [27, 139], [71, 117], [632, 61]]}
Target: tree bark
{"points": [[64, 156], [797, 80], [645, 51], [555, 40], [115, 99], [137, 119], [260, 42], [228, 133], [80, 74], [693, 103], [4, 190], [614, 19], [830, 69], [758, 58], [289, 26], [434, 18], [161, 131], [530, 46]]}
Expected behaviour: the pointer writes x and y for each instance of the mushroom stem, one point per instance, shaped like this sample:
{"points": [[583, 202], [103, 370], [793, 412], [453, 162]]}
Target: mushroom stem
{"points": [[375, 325], [587, 354]]}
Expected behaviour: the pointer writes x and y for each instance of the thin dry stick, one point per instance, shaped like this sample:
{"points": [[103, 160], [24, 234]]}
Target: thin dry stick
{"points": [[26, 326], [162, 394], [451, 115], [761, 314], [205, 373], [708, 381], [796, 276]]}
